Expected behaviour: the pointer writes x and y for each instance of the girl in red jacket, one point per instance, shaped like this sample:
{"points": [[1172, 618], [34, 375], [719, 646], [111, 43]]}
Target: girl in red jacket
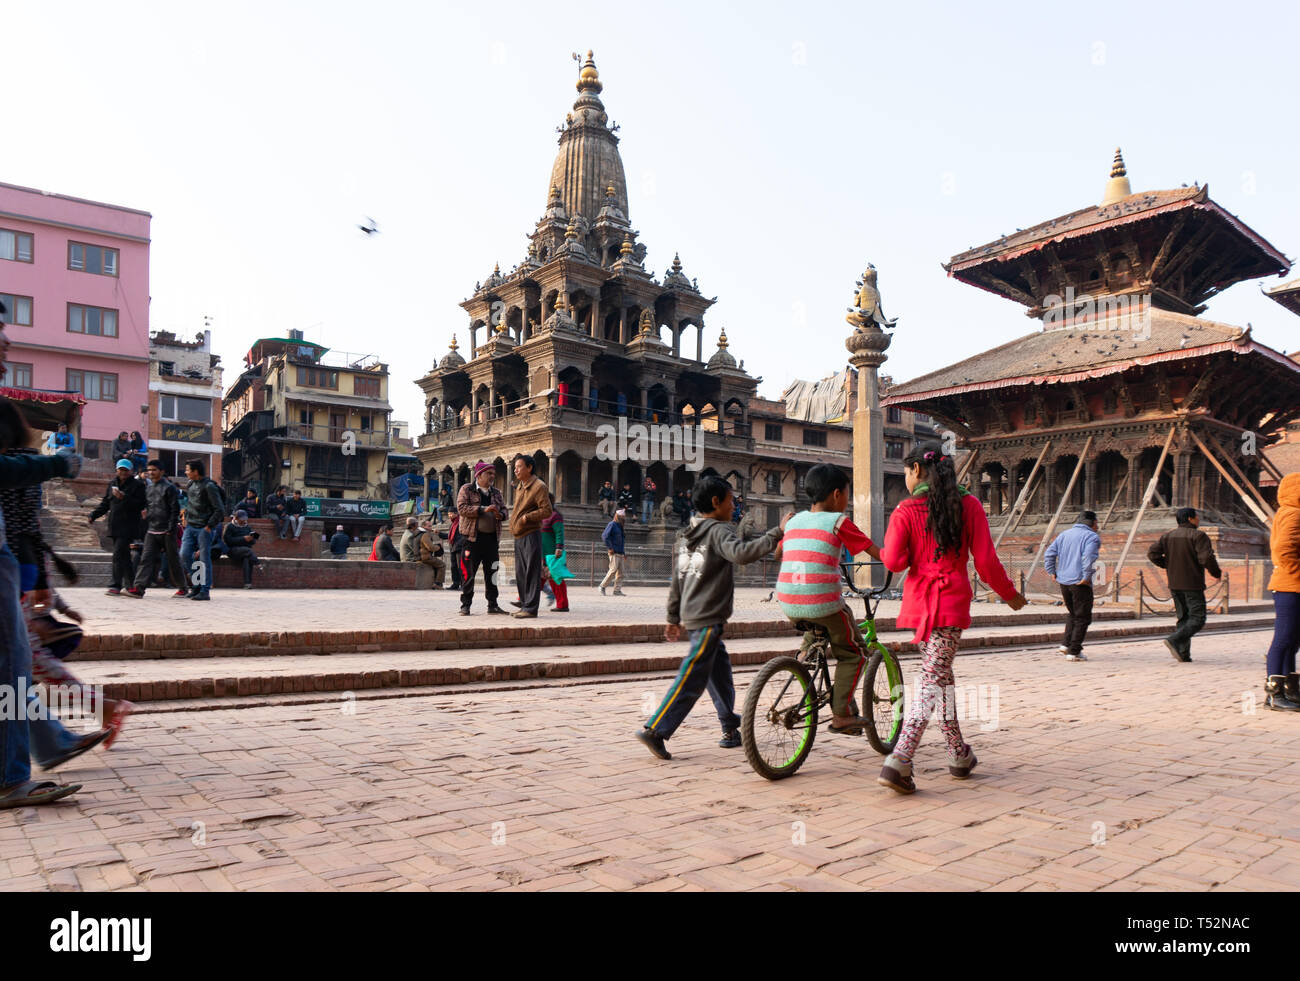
{"points": [[932, 534]]}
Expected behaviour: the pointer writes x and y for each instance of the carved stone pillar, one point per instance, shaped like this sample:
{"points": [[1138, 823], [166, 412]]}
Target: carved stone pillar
{"points": [[1133, 489], [1049, 489], [1090, 485], [995, 493], [1181, 488], [584, 472], [622, 325], [699, 343]]}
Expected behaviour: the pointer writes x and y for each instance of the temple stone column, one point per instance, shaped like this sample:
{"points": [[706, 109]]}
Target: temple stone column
{"points": [[995, 493], [867, 345], [584, 473], [699, 343], [622, 325], [1090, 485], [1133, 489], [595, 318], [1049, 489], [1181, 489]]}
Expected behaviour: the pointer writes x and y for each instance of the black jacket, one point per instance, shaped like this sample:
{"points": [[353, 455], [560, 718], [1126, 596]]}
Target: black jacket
{"points": [[236, 537], [387, 551], [203, 504], [295, 505], [339, 543], [251, 508], [1186, 554], [275, 504], [163, 501], [124, 519]]}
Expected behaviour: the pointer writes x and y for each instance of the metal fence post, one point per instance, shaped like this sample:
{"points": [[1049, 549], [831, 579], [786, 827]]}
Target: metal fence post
{"points": [[592, 581], [1137, 605], [1227, 591]]}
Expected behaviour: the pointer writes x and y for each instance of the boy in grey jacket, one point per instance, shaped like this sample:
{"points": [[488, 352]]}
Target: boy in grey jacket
{"points": [[700, 599]]}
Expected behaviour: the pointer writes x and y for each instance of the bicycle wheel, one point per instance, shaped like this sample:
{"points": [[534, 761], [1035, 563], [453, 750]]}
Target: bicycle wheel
{"points": [[883, 703], [779, 722]]}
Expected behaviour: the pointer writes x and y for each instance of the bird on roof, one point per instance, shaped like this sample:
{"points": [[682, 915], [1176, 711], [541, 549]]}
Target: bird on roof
{"points": [[370, 227]]}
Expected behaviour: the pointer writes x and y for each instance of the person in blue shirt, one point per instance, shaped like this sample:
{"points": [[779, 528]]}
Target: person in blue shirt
{"points": [[1070, 560], [613, 539]]}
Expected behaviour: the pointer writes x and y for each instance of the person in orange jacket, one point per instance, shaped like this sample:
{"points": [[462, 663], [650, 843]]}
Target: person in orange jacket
{"points": [[1283, 684]]}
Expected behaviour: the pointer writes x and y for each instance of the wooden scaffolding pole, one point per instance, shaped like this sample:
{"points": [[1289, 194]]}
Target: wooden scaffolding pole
{"points": [[1270, 466], [1264, 512], [1146, 499], [1023, 497], [969, 462], [1060, 508], [1111, 510]]}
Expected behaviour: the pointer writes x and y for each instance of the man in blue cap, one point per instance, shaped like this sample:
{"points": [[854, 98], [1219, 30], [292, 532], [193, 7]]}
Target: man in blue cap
{"points": [[124, 502]]}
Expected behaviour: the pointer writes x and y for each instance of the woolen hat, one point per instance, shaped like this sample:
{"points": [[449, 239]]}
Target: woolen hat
{"points": [[481, 466]]}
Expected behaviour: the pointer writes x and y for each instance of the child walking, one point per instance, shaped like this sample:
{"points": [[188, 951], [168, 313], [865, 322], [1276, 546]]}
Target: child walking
{"points": [[808, 587], [700, 599], [932, 534]]}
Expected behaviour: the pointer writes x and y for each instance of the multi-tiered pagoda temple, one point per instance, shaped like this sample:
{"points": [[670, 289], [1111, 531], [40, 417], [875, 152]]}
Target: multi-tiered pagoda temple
{"points": [[579, 334], [1124, 381]]}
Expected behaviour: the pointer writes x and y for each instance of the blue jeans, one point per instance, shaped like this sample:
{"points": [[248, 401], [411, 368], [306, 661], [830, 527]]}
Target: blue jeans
{"points": [[201, 539], [18, 737], [707, 666], [647, 509], [1286, 633]]}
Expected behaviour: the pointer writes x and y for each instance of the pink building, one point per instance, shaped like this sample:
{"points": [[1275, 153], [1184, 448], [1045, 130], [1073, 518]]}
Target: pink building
{"points": [[74, 275]]}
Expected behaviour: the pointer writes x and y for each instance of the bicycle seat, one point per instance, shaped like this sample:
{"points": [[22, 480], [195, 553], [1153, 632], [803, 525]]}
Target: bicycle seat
{"points": [[803, 626]]}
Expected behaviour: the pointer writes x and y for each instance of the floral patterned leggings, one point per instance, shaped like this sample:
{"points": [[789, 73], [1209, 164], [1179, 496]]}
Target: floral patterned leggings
{"points": [[936, 683], [48, 670]]}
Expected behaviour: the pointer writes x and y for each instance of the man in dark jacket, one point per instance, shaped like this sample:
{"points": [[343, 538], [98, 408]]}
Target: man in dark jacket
{"points": [[296, 509], [1186, 554], [162, 515], [239, 540], [607, 496], [203, 513], [124, 502], [339, 543], [481, 509], [276, 511], [250, 505], [626, 500], [614, 547], [385, 550]]}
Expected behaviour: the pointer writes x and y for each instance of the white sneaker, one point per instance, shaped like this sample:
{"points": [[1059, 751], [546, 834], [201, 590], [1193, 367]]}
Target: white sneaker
{"points": [[1063, 650], [1076, 657]]}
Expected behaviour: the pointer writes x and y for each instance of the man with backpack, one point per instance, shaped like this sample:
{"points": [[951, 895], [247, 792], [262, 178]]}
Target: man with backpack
{"points": [[204, 508]]}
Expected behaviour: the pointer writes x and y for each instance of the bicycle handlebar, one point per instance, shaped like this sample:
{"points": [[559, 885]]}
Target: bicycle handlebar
{"points": [[848, 568]]}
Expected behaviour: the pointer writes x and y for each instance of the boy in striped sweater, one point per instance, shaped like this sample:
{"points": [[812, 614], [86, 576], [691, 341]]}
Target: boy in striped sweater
{"points": [[808, 587]]}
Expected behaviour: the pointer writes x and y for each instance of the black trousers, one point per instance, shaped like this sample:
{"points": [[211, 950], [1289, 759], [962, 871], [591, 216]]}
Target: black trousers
{"points": [[528, 570], [245, 555], [483, 551], [1078, 615], [1189, 604], [155, 546], [123, 570]]}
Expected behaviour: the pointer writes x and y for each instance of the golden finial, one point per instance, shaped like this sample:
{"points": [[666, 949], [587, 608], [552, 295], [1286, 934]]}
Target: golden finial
{"points": [[722, 338], [647, 325], [560, 303], [1118, 187], [609, 191], [454, 345], [496, 269], [589, 78], [1117, 168], [572, 230], [627, 246], [677, 263]]}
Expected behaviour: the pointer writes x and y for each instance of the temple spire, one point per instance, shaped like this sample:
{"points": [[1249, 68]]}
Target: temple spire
{"points": [[588, 77], [1117, 188]]}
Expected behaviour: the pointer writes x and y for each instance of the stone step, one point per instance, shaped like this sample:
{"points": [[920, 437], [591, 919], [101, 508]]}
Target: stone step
{"points": [[266, 673], [111, 641]]}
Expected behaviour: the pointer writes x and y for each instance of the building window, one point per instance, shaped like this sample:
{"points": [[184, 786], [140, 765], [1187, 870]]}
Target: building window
{"points": [[895, 414], [95, 386], [366, 387], [92, 259], [774, 482], [814, 437], [17, 375], [305, 417], [15, 246], [178, 408], [923, 419], [166, 367], [318, 377], [893, 449], [772, 432], [91, 320], [20, 309]]}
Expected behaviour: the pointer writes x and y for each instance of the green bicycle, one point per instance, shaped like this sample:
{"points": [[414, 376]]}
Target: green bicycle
{"points": [[779, 723]]}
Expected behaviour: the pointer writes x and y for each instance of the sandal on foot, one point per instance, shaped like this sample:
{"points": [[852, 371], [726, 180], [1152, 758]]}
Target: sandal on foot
{"points": [[80, 746], [854, 728], [35, 792]]}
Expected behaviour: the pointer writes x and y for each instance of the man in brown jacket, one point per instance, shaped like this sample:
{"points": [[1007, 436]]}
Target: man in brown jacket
{"points": [[481, 509], [532, 507], [1186, 554]]}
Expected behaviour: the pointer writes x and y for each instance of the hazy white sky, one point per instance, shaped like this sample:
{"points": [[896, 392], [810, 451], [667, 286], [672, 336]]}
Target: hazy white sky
{"points": [[779, 147]]}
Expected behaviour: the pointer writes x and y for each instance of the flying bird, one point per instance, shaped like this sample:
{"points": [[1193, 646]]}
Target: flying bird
{"points": [[370, 227]]}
